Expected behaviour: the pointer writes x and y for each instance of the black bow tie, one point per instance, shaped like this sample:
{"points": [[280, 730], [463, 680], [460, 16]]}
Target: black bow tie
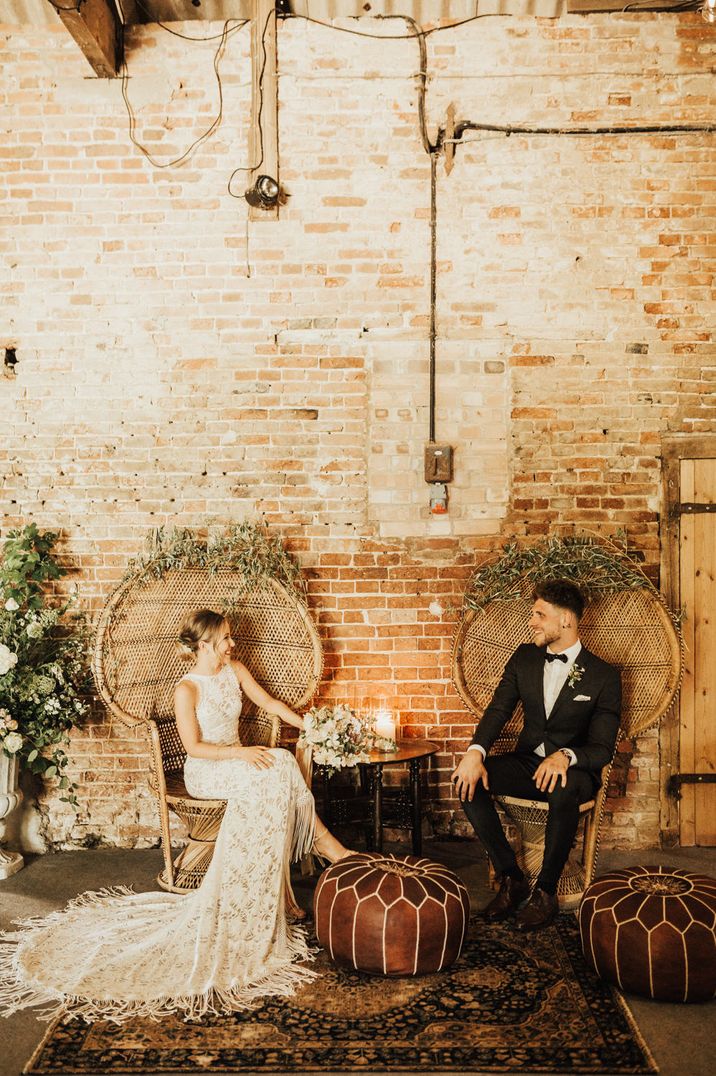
{"points": [[556, 657]]}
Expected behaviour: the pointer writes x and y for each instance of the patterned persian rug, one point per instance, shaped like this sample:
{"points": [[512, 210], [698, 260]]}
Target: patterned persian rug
{"points": [[510, 1004]]}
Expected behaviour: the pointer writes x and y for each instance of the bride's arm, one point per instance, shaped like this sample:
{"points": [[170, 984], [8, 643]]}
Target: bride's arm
{"points": [[262, 698], [190, 734]]}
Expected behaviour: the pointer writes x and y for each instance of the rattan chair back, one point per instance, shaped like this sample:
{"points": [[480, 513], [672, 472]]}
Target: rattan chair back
{"points": [[137, 664], [631, 629]]}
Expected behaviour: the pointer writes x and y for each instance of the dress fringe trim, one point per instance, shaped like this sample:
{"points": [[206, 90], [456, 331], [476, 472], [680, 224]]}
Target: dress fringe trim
{"points": [[304, 827], [18, 992]]}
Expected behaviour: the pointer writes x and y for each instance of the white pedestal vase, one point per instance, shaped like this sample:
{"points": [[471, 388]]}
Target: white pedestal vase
{"points": [[10, 797]]}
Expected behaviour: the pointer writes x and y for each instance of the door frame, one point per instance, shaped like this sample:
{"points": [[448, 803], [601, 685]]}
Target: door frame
{"points": [[675, 447]]}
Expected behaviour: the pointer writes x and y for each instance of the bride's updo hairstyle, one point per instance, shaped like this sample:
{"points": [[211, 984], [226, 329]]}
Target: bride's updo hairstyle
{"points": [[201, 624]]}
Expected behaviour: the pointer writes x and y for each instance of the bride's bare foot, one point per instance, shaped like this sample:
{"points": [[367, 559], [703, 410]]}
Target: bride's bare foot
{"points": [[328, 847]]}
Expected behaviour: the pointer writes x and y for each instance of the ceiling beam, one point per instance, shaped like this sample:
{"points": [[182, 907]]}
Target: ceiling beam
{"points": [[96, 28]]}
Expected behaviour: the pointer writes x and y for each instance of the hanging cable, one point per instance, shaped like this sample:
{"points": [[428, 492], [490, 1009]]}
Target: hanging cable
{"points": [[422, 87], [394, 37], [175, 33], [213, 126], [255, 167], [433, 289]]}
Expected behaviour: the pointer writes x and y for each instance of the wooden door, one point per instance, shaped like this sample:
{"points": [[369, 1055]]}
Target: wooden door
{"points": [[697, 591]]}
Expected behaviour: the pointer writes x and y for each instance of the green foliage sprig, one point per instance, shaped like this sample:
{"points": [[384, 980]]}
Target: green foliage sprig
{"points": [[597, 566], [247, 548], [44, 676]]}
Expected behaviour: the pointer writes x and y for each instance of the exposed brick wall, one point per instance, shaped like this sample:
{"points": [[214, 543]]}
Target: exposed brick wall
{"points": [[177, 364]]}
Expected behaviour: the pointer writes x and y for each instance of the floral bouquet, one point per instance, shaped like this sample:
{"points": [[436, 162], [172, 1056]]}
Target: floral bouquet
{"points": [[339, 739]]}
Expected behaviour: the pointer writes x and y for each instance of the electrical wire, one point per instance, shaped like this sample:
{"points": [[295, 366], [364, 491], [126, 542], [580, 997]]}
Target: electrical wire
{"points": [[260, 82], [415, 33], [422, 87], [213, 126], [649, 5], [395, 37], [175, 33], [509, 129]]}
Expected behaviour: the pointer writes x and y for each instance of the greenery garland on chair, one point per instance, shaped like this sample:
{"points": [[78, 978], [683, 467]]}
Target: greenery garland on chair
{"points": [[598, 566], [246, 548]]}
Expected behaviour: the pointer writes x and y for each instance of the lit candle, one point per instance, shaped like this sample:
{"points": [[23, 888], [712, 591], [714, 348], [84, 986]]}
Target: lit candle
{"points": [[385, 724]]}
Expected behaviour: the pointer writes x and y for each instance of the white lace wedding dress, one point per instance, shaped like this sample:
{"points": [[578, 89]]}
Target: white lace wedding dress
{"points": [[115, 954]]}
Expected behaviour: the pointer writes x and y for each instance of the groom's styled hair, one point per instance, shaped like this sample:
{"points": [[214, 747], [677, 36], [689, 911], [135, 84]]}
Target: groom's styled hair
{"points": [[561, 592]]}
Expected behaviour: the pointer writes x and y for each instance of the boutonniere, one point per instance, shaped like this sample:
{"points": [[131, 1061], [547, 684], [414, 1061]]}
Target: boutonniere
{"points": [[575, 674]]}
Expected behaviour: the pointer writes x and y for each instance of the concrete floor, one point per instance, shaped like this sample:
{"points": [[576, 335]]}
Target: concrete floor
{"points": [[681, 1037]]}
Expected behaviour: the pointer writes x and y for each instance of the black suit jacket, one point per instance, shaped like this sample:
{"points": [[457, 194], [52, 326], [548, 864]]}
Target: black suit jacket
{"points": [[585, 716]]}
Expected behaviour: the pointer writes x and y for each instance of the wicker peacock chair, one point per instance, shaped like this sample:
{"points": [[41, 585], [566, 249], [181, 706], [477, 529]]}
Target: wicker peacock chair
{"points": [[626, 623], [136, 666]]}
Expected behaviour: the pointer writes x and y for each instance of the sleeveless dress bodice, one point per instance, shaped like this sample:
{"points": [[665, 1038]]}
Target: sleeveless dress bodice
{"points": [[219, 705], [117, 955]]}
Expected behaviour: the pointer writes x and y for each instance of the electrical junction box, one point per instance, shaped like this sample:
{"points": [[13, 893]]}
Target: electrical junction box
{"points": [[438, 463]]}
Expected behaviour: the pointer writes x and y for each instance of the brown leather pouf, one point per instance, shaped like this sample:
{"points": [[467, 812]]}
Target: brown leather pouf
{"points": [[391, 915], [651, 930]]}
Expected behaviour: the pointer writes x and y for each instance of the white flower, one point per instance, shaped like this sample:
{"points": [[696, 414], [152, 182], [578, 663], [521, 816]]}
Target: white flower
{"points": [[12, 743], [575, 674], [338, 738], [11, 605], [7, 659], [34, 629]]}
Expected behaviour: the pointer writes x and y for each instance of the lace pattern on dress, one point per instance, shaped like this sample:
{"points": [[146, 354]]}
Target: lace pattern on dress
{"points": [[115, 955]]}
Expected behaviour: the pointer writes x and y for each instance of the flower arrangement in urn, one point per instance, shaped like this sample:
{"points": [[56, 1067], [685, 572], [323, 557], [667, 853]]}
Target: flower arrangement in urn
{"points": [[339, 739], [43, 658]]}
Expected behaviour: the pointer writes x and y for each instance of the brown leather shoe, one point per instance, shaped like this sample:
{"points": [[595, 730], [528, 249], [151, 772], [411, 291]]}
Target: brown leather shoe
{"points": [[539, 911], [511, 894]]}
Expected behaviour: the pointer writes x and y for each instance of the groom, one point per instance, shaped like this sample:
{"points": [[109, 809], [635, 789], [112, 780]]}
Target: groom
{"points": [[572, 706]]}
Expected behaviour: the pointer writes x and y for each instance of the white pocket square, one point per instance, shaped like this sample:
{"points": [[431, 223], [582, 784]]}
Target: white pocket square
{"points": [[582, 698]]}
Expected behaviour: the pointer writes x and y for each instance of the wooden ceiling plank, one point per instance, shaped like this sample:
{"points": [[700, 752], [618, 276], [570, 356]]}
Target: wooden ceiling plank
{"points": [[96, 28]]}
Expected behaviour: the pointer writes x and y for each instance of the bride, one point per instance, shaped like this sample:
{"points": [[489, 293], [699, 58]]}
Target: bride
{"points": [[115, 954]]}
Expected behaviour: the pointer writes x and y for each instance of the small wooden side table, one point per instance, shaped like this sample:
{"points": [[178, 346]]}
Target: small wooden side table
{"points": [[412, 752]]}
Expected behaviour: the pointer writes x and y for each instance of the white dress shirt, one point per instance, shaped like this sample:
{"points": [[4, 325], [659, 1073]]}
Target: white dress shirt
{"points": [[555, 676]]}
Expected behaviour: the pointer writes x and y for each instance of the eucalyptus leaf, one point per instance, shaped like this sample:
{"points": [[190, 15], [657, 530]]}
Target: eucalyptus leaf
{"points": [[596, 565], [247, 548]]}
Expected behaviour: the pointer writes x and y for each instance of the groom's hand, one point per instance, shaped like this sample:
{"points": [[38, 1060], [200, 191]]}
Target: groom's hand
{"points": [[551, 770], [469, 772]]}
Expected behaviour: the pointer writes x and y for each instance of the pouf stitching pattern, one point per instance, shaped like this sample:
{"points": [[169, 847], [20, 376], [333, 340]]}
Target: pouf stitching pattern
{"points": [[673, 910], [358, 872]]}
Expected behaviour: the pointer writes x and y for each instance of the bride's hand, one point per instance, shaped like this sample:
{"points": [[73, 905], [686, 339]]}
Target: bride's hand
{"points": [[260, 757]]}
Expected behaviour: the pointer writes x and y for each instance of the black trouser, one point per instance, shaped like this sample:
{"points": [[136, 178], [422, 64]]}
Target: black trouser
{"points": [[511, 775]]}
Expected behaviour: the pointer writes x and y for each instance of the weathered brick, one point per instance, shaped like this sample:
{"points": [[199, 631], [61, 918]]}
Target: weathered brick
{"points": [[177, 365]]}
